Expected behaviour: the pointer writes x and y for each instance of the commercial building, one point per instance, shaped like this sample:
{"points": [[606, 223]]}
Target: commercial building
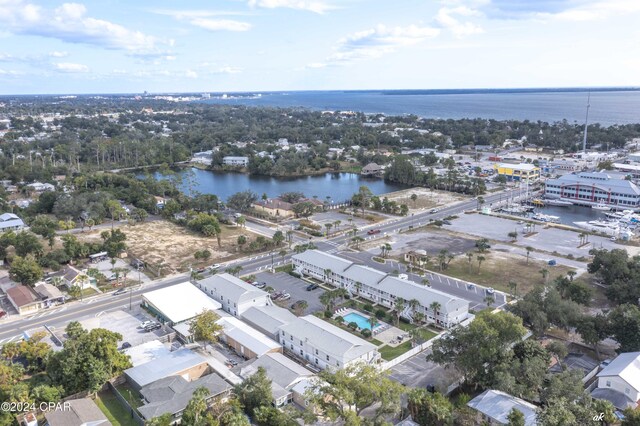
{"points": [[268, 319], [244, 340], [324, 345], [283, 372], [234, 295], [235, 161], [518, 172], [10, 222], [178, 303], [382, 288], [49, 294], [274, 207], [619, 382], [495, 407], [590, 188], [24, 299]]}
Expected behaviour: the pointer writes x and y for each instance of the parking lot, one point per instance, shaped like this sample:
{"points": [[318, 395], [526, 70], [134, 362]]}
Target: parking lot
{"points": [[127, 324], [296, 287], [417, 372]]}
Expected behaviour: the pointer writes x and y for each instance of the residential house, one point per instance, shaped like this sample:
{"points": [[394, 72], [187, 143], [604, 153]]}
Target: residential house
{"points": [[49, 294], [244, 340], [24, 299], [382, 288], [182, 362], [41, 187], [323, 345], [619, 382], [234, 294], [283, 372], [495, 407], [372, 169], [178, 303], [274, 207], [235, 161], [75, 277], [77, 412], [172, 394], [10, 222], [268, 319]]}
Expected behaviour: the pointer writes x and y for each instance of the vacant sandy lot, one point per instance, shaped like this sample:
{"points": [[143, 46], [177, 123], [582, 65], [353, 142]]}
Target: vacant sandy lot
{"points": [[427, 199], [163, 242]]}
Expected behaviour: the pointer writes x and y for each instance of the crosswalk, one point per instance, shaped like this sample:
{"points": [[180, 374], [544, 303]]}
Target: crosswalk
{"points": [[45, 313]]}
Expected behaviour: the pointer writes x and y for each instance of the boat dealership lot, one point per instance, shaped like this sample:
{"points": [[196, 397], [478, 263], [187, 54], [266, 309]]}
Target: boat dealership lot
{"points": [[544, 238]]}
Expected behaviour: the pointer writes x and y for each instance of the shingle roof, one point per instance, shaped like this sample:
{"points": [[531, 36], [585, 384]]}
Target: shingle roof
{"points": [[627, 367], [248, 337], [364, 274], [324, 260], [232, 287], [268, 318], [82, 412], [172, 394], [497, 405], [280, 369], [22, 295], [164, 366], [48, 291], [618, 399], [328, 338]]}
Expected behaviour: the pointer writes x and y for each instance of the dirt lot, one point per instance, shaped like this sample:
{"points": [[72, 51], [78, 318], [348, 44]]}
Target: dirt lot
{"points": [[499, 268], [427, 198], [162, 241]]}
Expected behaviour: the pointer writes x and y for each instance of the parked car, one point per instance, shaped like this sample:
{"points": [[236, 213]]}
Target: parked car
{"points": [[255, 283], [285, 296], [490, 290], [214, 267], [296, 305], [137, 263], [403, 276], [433, 211], [125, 345], [146, 324], [112, 277], [201, 270], [152, 327], [552, 262], [373, 231], [261, 285], [119, 291], [311, 287]]}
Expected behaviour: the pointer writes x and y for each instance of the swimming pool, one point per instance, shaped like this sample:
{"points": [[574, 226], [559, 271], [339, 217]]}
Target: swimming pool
{"points": [[362, 322]]}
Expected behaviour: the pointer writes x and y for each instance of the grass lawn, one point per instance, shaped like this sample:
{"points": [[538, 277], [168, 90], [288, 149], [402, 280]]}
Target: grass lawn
{"points": [[426, 334], [499, 268], [117, 414], [130, 394], [388, 352], [88, 292]]}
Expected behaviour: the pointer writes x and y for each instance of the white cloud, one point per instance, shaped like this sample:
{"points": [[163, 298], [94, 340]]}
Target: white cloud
{"points": [[70, 23], [594, 11], [445, 18], [220, 24], [315, 6], [191, 74], [376, 42], [70, 67], [57, 54]]}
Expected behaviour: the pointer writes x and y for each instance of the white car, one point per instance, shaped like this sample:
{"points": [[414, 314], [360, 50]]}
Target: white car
{"points": [[215, 267], [146, 324], [285, 296]]}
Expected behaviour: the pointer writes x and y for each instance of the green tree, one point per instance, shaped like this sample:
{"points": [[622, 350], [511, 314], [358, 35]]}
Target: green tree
{"points": [[255, 392], [205, 328], [428, 408], [27, 243], [195, 413], [25, 270], [624, 326], [515, 417], [278, 238], [242, 201], [163, 420]]}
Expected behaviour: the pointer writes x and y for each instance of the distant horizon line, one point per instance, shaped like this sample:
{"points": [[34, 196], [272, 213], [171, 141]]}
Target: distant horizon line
{"points": [[382, 91]]}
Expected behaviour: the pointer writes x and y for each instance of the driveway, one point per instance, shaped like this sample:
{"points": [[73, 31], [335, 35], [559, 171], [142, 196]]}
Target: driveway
{"points": [[296, 287], [417, 372]]}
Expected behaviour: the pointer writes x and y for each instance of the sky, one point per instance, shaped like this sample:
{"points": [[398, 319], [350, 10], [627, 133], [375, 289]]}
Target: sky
{"points": [[160, 46]]}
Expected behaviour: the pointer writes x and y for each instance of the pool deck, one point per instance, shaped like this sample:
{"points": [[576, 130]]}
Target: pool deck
{"points": [[384, 332]]}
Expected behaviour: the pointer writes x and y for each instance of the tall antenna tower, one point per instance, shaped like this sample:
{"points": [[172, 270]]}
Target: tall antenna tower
{"points": [[586, 123]]}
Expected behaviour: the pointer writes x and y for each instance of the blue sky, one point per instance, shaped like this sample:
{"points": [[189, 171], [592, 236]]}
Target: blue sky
{"points": [[124, 46]]}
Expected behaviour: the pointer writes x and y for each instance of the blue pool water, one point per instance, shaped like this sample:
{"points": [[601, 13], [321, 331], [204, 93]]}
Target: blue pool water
{"points": [[358, 319]]}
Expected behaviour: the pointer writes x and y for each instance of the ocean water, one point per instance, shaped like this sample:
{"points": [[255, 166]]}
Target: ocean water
{"points": [[608, 107]]}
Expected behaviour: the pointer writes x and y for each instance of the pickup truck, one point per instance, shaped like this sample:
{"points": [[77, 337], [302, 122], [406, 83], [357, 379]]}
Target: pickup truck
{"points": [[373, 231]]}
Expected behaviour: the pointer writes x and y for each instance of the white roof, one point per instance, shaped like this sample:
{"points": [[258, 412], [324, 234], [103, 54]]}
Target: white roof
{"points": [[521, 166], [279, 368], [425, 295], [248, 337], [233, 288], [146, 352], [164, 366], [627, 367], [498, 404], [268, 318], [181, 302], [323, 260], [328, 338]]}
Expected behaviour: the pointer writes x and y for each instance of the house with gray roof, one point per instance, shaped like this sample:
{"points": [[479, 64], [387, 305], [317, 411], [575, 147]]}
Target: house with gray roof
{"points": [[619, 382], [182, 362], [382, 288], [268, 319], [172, 394], [591, 188], [10, 222], [283, 372], [323, 345], [77, 412], [495, 407], [234, 294]]}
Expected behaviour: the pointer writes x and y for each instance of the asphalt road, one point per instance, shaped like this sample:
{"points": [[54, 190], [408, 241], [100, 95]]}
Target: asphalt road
{"points": [[60, 316]]}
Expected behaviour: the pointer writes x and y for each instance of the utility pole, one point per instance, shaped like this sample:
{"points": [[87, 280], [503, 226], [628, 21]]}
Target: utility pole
{"points": [[586, 123]]}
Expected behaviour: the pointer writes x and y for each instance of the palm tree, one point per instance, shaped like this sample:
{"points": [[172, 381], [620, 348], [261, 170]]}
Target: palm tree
{"points": [[372, 323], [529, 249], [386, 248], [489, 300], [300, 307], [75, 292], [357, 240], [435, 308], [282, 254], [418, 317], [512, 287], [469, 258], [571, 274], [328, 226], [399, 308], [480, 259], [413, 304], [426, 282], [545, 273], [327, 275], [358, 287]]}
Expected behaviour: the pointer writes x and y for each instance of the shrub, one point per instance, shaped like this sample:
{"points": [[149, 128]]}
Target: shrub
{"points": [[295, 274], [328, 314], [381, 313], [352, 325], [366, 332], [339, 319], [368, 307]]}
